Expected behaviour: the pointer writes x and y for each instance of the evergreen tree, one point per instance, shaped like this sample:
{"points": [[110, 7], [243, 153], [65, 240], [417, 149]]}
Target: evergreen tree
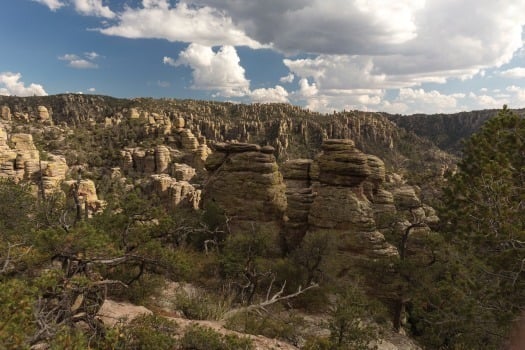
{"points": [[484, 210]]}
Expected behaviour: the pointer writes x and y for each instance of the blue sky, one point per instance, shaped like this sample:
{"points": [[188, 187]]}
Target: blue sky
{"points": [[403, 56]]}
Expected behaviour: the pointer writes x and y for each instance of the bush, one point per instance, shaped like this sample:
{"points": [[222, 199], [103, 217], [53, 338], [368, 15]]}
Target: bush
{"points": [[272, 325], [148, 332], [199, 305], [202, 338]]}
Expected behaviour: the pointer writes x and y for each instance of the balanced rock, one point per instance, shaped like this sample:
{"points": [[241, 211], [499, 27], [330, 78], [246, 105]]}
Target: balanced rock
{"points": [[405, 198]]}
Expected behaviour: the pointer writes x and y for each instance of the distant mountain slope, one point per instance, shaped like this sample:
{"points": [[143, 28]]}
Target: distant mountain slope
{"points": [[445, 130], [294, 132]]}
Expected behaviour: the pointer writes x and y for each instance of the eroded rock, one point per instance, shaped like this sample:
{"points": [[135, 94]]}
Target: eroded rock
{"points": [[246, 184]]}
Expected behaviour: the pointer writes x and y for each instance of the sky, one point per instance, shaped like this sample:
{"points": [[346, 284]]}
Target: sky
{"points": [[402, 56]]}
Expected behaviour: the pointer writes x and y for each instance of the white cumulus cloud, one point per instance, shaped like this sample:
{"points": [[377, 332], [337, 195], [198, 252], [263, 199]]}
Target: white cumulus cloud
{"points": [[52, 4], [93, 8], [287, 78], [75, 61], [277, 94], [158, 19], [216, 71], [514, 73], [221, 72], [10, 84]]}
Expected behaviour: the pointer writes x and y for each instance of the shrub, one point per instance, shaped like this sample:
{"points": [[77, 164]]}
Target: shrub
{"points": [[149, 332], [272, 325], [199, 305], [202, 338]]}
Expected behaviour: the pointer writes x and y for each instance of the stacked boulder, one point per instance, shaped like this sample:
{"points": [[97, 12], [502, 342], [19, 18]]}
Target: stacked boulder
{"points": [[5, 113], [54, 171], [246, 184], [341, 206], [175, 193], [297, 175], [381, 199], [22, 162], [148, 161], [7, 156]]}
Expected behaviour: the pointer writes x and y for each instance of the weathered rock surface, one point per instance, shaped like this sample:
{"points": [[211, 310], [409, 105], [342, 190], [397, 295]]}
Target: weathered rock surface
{"points": [[5, 113], [87, 194], [341, 206], [43, 114], [175, 193], [246, 183], [182, 172], [54, 171], [299, 197], [113, 312], [148, 161]]}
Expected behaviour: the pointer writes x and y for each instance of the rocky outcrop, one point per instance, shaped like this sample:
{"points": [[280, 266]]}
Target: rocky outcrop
{"points": [[20, 160], [43, 114], [299, 197], [87, 195], [148, 161], [182, 172], [175, 193], [54, 171], [5, 113], [341, 206], [246, 184]]}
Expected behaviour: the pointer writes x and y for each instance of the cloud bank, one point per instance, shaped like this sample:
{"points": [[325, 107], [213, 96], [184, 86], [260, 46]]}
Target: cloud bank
{"points": [[341, 54]]}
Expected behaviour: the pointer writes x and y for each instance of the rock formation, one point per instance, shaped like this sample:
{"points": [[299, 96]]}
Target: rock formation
{"points": [[5, 113], [148, 161], [87, 194], [54, 171], [43, 114], [299, 196], [341, 206], [175, 193], [246, 184]]}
